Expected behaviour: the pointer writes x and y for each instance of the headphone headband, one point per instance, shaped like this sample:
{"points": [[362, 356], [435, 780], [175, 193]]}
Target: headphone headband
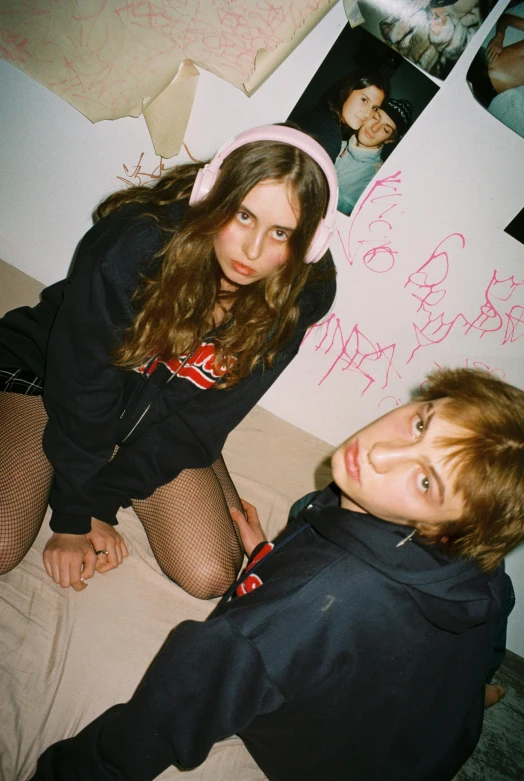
{"points": [[207, 176]]}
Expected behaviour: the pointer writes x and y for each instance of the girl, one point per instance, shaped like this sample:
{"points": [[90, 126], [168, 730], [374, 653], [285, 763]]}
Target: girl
{"points": [[343, 109], [185, 303]]}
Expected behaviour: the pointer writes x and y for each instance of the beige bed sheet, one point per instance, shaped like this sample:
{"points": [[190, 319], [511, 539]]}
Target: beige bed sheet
{"points": [[65, 657]]}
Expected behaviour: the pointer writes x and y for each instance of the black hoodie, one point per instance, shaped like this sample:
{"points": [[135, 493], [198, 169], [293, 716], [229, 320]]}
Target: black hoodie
{"points": [[162, 423], [353, 660]]}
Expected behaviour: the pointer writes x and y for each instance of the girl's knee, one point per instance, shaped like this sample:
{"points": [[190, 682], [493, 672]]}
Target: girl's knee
{"points": [[10, 556], [205, 580]]}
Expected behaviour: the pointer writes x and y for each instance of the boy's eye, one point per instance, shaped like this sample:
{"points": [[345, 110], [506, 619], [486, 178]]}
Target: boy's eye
{"points": [[419, 425], [424, 483]]}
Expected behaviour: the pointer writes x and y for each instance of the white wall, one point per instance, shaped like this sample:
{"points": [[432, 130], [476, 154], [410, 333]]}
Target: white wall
{"points": [[460, 176]]}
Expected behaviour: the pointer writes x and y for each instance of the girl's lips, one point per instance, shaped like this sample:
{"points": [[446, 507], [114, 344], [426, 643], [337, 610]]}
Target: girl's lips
{"points": [[241, 268], [351, 461]]}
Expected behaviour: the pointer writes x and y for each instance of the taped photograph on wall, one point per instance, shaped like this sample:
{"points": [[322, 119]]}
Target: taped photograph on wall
{"points": [[359, 105], [430, 33], [496, 75]]}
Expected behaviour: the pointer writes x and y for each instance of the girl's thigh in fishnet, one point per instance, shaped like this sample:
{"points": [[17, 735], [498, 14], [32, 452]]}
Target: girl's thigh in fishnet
{"points": [[191, 531], [25, 475]]}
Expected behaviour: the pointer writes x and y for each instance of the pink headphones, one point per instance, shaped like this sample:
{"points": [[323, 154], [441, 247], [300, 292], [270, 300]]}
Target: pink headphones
{"points": [[206, 177]]}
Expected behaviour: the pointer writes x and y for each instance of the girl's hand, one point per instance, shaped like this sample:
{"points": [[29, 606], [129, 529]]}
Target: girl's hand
{"points": [[70, 560], [104, 537], [495, 47], [248, 525]]}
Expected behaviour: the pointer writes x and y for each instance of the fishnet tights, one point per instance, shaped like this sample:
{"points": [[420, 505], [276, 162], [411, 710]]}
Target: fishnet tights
{"points": [[191, 532], [25, 475], [187, 521]]}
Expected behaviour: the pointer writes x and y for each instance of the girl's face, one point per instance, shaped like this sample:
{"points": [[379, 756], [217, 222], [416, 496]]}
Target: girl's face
{"points": [[360, 105], [256, 241]]}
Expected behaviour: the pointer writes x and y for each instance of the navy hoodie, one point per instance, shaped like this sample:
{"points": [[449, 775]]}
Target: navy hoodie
{"points": [[353, 660]]}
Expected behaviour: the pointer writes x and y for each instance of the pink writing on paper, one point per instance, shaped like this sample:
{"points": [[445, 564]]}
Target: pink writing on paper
{"points": [[105, 58], [369, 236]]}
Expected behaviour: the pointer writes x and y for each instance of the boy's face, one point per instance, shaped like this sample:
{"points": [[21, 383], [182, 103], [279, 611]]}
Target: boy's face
{"points": [[394, 468], [376, 131]]}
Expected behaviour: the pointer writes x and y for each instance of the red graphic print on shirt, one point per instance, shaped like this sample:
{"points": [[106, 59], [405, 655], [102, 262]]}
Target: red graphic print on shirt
{"points": [[252, 581], [198, 368]]}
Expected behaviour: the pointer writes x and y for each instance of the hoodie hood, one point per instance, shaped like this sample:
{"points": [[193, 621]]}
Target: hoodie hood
{"points": [[453, 594]]}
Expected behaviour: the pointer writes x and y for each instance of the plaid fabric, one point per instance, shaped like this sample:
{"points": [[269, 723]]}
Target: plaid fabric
{"points": [[20, 381]]}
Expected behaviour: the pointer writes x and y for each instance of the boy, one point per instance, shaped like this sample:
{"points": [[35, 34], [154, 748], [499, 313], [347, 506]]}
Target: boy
{"points": [[357, 645], [360, 159]]}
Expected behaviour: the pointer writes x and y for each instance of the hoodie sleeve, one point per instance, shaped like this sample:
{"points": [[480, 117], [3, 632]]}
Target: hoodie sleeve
{"points": [[208, 682], [83, 389], [195, 435], [81, 434]]}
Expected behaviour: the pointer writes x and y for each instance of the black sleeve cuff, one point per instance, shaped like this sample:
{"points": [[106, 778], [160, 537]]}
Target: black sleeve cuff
{"points": [[105, 507], [70, 523]]}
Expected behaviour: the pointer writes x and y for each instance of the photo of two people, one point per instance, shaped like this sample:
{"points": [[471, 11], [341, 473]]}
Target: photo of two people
{"points": [[360, 104]]}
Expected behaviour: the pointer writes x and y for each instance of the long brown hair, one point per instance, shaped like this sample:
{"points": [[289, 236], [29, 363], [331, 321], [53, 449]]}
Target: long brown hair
{"points": [[339, 92], [487, 464], [176, 305]]}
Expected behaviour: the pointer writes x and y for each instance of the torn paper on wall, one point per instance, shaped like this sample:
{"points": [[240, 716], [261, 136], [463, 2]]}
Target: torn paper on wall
{"points": [[108, 59]]}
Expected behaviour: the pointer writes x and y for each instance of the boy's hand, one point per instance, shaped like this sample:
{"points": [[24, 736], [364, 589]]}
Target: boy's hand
{"points": [[248, 525]]}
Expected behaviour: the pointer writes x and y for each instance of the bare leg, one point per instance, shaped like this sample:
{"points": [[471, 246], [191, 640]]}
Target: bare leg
{"points": [[191, 532], [25, 475]]}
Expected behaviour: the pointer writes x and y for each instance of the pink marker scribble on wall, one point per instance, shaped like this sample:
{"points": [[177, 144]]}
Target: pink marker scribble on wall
{"points": [[501, 310], [355, 352], [137, 175], [369, 237], [498, 312], [428, 288], [388, 403]]}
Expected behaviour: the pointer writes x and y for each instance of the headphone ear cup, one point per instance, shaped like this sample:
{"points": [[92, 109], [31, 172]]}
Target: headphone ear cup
{"points": [[204, 181], [319, 243]]}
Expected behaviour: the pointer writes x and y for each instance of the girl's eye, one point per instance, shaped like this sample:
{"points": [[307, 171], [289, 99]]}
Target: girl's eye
{"points": [[280, 235], [424, 483], [243, 217], [419, 425], [364, 99]]}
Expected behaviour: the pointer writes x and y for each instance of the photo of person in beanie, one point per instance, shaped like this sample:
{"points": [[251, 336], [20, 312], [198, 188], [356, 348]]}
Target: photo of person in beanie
{"points": [[361, 156]]}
